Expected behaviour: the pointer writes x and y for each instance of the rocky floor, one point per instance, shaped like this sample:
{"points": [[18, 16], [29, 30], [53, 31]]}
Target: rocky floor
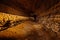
{"points": [[47, 28]]}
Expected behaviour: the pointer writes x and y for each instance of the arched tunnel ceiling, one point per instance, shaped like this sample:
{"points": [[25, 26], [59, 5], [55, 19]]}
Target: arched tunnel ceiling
{"points": [[29, 6]]}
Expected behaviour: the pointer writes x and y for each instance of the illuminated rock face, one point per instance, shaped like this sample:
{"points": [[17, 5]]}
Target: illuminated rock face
{"points": [[7, 20], [46, 28], [4, 17]]}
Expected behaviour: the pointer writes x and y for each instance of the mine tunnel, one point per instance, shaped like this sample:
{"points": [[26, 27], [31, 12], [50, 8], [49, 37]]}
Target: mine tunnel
{"points": [[22, 12]]}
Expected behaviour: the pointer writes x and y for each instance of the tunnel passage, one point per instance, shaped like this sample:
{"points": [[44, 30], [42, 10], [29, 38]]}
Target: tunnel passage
{"points": [[28, 8]]}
